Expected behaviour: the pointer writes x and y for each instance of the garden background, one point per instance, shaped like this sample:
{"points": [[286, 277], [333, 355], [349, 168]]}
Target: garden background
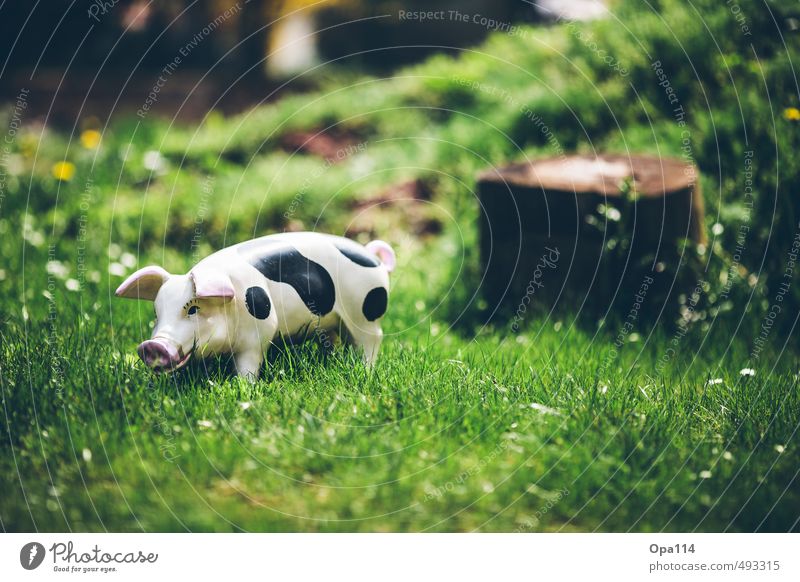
{"points": [[686, 420]]}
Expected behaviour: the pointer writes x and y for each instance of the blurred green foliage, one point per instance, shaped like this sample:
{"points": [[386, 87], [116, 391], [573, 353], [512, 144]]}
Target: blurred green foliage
{"points": [[731, 70], [643, 440]]}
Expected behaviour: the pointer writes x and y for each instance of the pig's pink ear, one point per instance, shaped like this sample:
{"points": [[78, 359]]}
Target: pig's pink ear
{"points": [[210, 282], [143, 284]]}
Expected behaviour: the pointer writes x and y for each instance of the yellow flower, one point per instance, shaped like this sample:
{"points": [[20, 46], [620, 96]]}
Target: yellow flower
{"points": [[792, 113], [90, 139], [63, 171]]}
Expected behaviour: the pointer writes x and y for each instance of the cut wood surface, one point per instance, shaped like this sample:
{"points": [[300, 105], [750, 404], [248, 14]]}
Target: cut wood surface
{"points": [[526, 207]]}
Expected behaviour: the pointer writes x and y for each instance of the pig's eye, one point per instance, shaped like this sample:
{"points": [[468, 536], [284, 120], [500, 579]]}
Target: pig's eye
{"points": [[192, 310]]}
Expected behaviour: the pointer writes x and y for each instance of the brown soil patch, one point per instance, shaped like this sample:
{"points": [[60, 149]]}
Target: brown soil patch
{"points": [[401, 206]]}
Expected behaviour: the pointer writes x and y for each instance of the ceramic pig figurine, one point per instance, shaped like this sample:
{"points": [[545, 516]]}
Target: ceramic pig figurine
{"points": [[241, 298]]}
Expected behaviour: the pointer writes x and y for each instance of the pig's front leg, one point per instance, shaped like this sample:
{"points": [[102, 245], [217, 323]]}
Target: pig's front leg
{"points": [[248, 363]]}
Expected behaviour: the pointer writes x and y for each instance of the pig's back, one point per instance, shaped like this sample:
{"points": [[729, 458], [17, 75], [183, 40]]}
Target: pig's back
{"points": [[327, 272]]}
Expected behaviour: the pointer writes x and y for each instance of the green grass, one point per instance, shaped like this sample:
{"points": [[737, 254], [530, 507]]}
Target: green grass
{"points": [[450, 431], [460, 426]]}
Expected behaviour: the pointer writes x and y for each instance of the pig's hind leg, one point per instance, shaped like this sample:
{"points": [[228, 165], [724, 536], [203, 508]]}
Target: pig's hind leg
{"points": [[363, 302], [367, 337]]}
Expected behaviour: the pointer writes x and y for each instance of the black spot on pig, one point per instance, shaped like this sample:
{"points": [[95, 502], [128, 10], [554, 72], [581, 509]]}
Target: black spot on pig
{"points": [[356, 253], [313, 283], [257, 302], [375, 303]]}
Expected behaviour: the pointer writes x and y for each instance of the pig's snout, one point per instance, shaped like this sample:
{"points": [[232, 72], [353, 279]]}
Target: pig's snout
{"points": [[159, 354]]}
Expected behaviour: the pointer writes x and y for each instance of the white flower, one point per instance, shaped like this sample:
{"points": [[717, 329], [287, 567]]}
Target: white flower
{"points": [[714, 381], [15, 164], [73, 285], [705, 474], [34, 237], [747, 372], [205, 424], [127, 260], [57, 269], [87, 455], [544, 409], [613, 214], [779, 448], [154, 161], [116, 269], [717, 229], [245, 405]]}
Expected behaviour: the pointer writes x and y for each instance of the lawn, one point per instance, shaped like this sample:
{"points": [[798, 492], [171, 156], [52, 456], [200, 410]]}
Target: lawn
{"points": [[462, 425]]}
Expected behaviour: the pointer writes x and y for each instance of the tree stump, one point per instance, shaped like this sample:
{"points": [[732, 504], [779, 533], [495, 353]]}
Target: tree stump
{"points": [[570, 229]]}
